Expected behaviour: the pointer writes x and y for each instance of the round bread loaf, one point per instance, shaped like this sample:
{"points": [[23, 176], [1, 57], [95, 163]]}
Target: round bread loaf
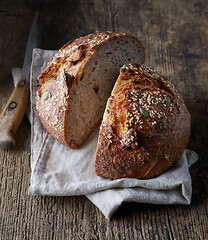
{"points": [[145, 127], [74, 87]]}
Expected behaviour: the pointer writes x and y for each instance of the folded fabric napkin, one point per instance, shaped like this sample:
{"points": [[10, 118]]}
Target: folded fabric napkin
{"points": [[59, 171]]}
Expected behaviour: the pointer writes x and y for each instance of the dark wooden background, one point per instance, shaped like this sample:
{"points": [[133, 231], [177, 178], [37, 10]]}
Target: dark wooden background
{"points": [[175, 36]]}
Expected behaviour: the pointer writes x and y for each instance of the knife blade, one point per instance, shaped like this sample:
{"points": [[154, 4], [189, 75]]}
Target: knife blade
{"points": [[15, 107]]}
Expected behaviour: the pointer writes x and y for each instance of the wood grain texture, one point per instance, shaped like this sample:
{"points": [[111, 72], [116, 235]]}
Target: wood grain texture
{"points": [[13, 112], [175, 35]]}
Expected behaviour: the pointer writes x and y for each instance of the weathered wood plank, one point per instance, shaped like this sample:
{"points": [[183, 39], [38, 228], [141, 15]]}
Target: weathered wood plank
{"points": [[175, 35]]}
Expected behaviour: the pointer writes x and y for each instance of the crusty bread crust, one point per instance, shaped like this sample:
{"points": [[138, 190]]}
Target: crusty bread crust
{"points": [[63, 72], [145, 127]]}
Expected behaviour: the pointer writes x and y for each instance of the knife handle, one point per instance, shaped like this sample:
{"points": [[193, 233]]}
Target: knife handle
{"points": [[13, 113]]}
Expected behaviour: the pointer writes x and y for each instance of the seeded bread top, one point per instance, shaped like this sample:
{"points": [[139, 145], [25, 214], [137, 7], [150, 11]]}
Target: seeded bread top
{"points": [[150, 101], [145, 127]]}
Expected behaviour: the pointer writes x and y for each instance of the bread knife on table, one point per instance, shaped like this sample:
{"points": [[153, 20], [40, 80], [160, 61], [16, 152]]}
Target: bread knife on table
{"points": [[15, 107]]}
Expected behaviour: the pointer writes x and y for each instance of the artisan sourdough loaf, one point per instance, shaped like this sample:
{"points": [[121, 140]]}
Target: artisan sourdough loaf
{"points": [[145, 127], [74, 87]]}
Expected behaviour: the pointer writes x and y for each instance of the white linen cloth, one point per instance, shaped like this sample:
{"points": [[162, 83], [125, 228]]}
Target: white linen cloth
{"points": [[59, 171]]}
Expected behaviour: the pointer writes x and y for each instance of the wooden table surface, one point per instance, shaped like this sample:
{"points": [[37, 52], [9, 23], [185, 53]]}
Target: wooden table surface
{"points": [[175, 36]]}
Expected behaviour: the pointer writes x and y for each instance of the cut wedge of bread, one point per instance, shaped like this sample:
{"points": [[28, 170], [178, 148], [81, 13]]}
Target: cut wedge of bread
{"points": [[74, 87]]}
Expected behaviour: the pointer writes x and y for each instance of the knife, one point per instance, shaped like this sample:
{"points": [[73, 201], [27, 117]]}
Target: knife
{"points": [[15, 107]]}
